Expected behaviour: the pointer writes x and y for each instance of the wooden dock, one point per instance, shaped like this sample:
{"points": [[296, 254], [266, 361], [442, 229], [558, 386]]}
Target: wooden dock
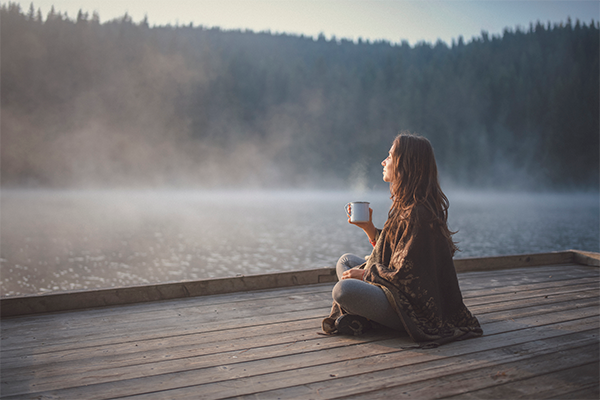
{"points": [[539, 313]]}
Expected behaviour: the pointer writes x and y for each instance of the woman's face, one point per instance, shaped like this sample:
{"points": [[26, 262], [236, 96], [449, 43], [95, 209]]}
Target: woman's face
{"points": [[388, 165]]}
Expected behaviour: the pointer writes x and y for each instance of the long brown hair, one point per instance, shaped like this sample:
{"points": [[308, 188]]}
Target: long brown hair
{"points": [[415, 183]]}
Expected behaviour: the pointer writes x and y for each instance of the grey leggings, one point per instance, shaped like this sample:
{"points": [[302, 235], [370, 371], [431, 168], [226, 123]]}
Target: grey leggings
{"points": [[361, 298]]}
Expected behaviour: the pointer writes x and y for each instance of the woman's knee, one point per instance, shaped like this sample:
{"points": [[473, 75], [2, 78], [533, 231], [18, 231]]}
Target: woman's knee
{"points": [[346, 262], [345, 291], [350, 260]]}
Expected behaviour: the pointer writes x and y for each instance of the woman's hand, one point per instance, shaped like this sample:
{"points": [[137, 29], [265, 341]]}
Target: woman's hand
{"points": [[362, 225], [354, 273], [368, 227]]}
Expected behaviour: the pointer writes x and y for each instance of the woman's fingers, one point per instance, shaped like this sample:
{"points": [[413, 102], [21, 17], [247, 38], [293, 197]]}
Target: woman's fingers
{"points": [[353, 274]]}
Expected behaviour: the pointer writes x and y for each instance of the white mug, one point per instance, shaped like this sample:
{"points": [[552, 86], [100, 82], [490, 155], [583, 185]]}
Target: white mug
{"points": [[359, 211]]}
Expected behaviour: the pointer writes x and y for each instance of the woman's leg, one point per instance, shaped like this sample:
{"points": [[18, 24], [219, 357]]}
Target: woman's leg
{"points": [[369, 301]]}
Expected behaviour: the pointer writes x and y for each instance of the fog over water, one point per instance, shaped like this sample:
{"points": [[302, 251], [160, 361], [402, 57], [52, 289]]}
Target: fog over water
{"points": [[188, 111], [76, 240]]}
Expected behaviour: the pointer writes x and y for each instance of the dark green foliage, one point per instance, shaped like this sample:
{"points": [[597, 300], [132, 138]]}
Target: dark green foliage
{"points": [[122, 103]]}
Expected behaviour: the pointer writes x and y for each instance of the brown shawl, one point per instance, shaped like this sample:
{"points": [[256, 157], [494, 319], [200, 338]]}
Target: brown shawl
{"points": [[419, 280]]}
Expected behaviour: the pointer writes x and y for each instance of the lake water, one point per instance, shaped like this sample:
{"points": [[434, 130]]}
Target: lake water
{"points": [[74, 240]]}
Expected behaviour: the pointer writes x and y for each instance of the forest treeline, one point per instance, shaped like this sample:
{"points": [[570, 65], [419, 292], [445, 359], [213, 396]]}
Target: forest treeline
{"points": [[121, 103]]}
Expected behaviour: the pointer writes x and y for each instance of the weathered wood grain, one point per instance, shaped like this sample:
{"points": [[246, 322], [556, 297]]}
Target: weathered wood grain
{"points": [[77, 300], [541, 324]]}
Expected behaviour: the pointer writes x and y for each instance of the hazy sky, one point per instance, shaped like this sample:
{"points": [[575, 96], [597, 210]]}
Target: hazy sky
{"points": [[392, 20]]}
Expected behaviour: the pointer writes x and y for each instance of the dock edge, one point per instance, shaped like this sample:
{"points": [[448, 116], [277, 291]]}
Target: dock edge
{"points": [[77, 300]]}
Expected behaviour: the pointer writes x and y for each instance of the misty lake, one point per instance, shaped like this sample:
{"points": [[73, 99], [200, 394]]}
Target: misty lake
{"points": [[76, 240]]}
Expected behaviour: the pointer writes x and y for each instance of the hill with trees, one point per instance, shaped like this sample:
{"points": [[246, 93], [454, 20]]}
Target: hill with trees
{"points": [[120, 103]]}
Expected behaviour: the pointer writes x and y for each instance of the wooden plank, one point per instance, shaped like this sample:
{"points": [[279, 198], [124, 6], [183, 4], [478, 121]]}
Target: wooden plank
{"points": [[90, 331], [65, 351], [511, 322], [171, 307], [367, 382], [188, 370], [523, 295], [512, 261], [170, 312], [257, 347], [12, 306], [564, 383], [520, 276], [541, 312], [193, 309], [153, 349], [589, 392], [348, 372], [185, 327], [540, 305], [461, 383], [586, 258], [166, 361], [166, 309], [525, 285]]}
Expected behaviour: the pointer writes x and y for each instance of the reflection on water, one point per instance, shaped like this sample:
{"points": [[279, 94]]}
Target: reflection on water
{"points": [[61, 240]]}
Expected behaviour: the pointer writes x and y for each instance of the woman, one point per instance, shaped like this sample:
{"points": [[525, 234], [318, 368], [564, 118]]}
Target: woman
{"points": [[408, 282]]}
